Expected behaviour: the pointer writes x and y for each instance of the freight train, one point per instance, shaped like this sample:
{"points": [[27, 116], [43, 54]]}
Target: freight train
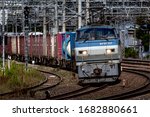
{"points": [[93, 51], [42, 55]]}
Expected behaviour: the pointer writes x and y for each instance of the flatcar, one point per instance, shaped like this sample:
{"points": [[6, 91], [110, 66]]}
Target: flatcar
{"points": [[97, 54]]}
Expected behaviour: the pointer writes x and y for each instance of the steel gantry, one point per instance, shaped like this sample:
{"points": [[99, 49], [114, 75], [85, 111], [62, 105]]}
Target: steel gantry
{"points": [[68, 15]]}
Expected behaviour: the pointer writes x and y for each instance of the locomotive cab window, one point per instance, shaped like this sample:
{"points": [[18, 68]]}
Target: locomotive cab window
{"points": [[105, 34], [95, 34]]}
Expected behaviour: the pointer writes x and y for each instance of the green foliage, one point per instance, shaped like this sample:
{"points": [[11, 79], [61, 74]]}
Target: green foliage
{"points": [[0, 62], [17, 77], [14, 83], [147, 57], [130, 52], [145, 41], [143, 34], [140, 33], [140, 20], [14, 74], [1, 72]]}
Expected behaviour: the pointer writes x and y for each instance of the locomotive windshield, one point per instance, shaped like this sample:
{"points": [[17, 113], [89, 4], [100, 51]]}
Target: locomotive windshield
{"points": [[95, 34]]}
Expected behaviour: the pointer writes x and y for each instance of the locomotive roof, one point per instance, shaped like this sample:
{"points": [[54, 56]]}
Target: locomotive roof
{"points": [[103, 26]]}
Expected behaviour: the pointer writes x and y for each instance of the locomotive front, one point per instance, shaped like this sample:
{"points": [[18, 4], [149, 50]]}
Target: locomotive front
{"points": [[98, 56]]}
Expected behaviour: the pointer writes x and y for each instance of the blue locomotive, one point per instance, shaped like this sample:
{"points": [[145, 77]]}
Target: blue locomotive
{"points": [[97, 54]]}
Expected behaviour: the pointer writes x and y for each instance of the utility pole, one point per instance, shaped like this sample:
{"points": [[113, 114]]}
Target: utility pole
{"points": [[35, 16], [87, 11], [55, 28], [44, 33], [64, 15], [26, 30], [56, 16], [79, 13], [3, 36], [122, 37], [16, 30]]}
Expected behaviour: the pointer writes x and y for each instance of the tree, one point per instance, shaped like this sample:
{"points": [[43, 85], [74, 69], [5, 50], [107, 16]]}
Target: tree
{"points": [[143, 32], [130, 52]]}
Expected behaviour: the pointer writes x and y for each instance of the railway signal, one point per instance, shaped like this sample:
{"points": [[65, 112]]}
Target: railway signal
{"points": [[26, 15]]}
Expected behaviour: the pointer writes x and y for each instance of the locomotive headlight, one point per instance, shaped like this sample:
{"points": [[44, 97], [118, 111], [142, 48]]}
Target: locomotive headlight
{"points": [[108, 51], [83, 52]]}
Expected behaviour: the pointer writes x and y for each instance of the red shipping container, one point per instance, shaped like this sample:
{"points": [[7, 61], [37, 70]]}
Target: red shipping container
{"points": [[59, 45], [48, 37]]}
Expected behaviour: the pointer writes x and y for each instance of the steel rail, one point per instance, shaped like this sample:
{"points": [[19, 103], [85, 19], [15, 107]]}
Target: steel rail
{"points": [[135, 92]]}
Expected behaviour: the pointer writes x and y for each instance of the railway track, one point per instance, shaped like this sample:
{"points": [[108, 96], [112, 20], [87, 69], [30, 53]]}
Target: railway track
{"points": [[135, 92], [136, 62], [138, 67], [47, 85], [44, 85], [80, 92], [141, 67], [89, 90]]}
